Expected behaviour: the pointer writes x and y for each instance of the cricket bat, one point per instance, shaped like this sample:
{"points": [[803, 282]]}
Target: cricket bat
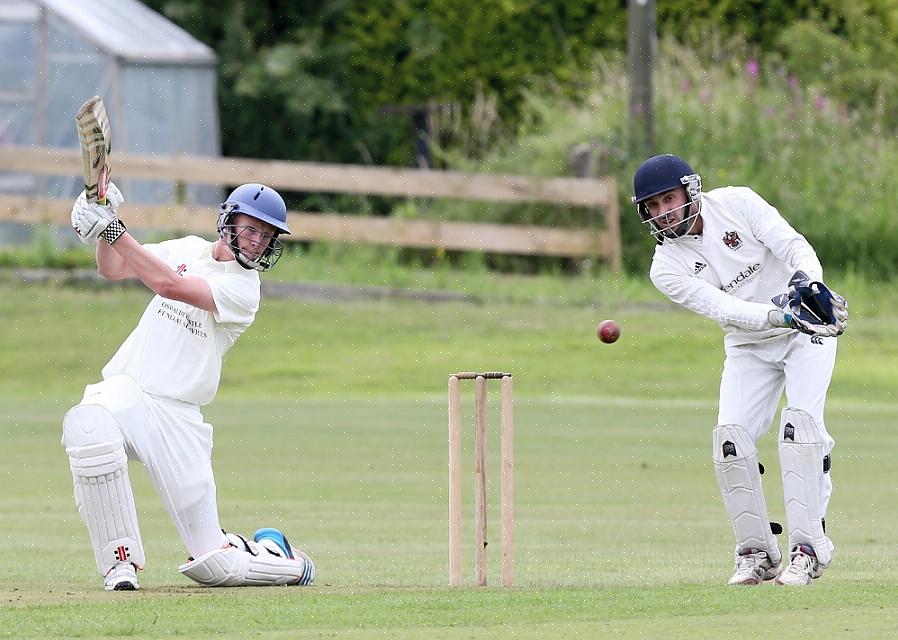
{"points": [[96, 144]]}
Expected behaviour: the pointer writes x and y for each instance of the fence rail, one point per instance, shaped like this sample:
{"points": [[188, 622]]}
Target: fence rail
{"points": [[337, 178]]}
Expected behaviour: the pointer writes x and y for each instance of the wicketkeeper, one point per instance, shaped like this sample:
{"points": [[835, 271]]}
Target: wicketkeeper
{"points": [[730, 256], [147, 407]]}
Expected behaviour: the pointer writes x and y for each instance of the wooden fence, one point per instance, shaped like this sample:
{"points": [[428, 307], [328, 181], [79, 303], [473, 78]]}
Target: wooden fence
{"points": [[600, 193]]}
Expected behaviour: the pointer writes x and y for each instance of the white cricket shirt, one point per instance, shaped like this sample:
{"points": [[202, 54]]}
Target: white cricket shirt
{"points": [[176, 349], [745, 256]]}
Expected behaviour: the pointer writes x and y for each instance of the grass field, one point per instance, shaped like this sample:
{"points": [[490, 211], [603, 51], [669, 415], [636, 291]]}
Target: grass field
{"points": [[331, 424]]}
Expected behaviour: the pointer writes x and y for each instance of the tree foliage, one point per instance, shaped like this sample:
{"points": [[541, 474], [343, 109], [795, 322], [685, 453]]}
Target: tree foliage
{"points": [[334, 80]]}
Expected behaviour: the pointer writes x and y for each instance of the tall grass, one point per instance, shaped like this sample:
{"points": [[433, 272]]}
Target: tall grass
{"points": [[750, 124], [739, 120]]}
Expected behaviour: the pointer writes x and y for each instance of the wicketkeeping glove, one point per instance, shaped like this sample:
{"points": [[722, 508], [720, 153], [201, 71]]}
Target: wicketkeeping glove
{"points": [[810, 307], [90, 220]]}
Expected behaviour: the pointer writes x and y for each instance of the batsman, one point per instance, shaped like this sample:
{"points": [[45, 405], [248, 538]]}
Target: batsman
{"points": [[730, 256], [148, 405]]}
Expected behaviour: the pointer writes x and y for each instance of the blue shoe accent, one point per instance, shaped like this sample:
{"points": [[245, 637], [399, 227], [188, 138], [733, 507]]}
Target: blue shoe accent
{"points": [[267, 533]]}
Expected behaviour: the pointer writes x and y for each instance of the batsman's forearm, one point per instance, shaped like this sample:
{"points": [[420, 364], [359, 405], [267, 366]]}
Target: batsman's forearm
{"points": [[110, 264], [140, 263], [160, 278]]}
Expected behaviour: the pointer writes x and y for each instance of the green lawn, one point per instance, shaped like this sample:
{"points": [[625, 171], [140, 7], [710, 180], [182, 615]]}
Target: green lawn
{"points": [[331, 424]]}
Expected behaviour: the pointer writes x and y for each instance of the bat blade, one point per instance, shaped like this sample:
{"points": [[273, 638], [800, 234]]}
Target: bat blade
{"points": [[96, 144]]}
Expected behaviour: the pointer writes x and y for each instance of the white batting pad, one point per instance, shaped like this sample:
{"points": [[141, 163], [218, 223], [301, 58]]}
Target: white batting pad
{"points": [[801, 449], [232, 567], [102, 489], [736, 468]]}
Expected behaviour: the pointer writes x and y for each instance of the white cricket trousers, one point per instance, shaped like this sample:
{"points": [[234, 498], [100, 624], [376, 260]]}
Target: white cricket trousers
{"points": [[755, 375], [173, 443]]}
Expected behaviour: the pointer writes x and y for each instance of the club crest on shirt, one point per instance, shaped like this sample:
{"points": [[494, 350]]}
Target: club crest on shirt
{"points": [[732, 240], [181, 269]]}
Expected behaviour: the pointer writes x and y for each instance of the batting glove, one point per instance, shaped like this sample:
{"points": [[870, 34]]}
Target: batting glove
{"points": [[90, 219]]}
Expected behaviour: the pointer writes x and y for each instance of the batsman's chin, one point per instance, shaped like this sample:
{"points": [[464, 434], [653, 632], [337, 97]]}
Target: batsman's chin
{"points": [[251, 261], [251, 256]]}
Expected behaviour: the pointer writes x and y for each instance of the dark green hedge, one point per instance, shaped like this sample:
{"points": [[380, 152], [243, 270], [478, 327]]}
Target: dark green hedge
{"points": [[309, 79]]}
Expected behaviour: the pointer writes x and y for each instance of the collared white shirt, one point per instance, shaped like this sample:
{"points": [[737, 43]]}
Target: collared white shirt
{"points": [[745, 256]]}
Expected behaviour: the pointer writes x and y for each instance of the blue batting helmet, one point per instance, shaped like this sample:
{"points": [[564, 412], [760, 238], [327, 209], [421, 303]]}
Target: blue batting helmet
{"points": [[262, 203]]}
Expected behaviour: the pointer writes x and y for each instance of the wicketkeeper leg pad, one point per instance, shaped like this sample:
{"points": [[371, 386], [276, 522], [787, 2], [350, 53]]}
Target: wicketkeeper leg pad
{"points": [[247, 563], [803, 463], [739, 478], [99, 464]]}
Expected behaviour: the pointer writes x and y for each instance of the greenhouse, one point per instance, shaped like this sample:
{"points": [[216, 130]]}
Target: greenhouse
{"points": [[158, 83]]}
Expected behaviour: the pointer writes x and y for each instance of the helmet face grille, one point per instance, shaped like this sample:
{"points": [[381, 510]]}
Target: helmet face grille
{"points": [[662, 233], [251, 248]]}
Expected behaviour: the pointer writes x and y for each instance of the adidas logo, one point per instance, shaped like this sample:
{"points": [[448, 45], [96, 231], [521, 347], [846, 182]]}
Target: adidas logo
{"points": [[699, 266]]}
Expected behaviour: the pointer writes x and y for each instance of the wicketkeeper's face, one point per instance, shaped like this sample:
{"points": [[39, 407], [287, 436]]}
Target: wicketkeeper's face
{"points": [[253, 236], [668, 210]]}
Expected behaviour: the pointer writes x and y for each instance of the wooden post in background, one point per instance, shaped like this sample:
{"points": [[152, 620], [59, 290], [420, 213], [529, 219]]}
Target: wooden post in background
{"points": [[642, 43]]}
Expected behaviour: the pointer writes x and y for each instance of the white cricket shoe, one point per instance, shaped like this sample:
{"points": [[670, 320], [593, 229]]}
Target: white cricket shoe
{"points": [[121, 577], [803, 567], [753, 566]]}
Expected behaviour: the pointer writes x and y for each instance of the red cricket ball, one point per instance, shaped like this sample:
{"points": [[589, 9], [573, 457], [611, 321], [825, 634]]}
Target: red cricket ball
{"points": [[608, 331]]}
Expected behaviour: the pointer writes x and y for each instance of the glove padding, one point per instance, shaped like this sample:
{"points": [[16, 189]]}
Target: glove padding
{"points": [[89, 220], [810, 307]]}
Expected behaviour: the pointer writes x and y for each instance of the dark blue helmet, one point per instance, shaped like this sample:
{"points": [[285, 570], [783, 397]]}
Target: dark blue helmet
{"points": [[659, 174], [663, 173], [259, 202]]}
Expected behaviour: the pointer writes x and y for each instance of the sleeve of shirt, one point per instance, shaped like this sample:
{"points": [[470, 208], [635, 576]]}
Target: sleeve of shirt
{"points": [[703, 298], [776, 234], [167, 249], [236, 298], [158, 250]]}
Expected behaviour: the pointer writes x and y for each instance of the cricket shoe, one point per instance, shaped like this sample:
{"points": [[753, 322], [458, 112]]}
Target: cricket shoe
{"points": [[276, 543], [803, 567], [753, 566], [121, 577]]}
